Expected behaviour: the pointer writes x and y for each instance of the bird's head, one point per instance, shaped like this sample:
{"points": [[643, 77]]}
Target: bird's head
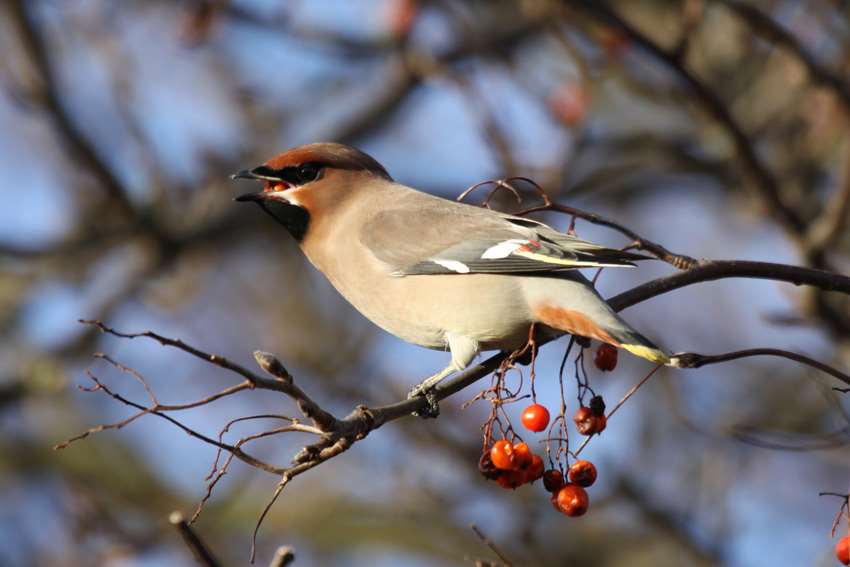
{"points": [[310, 180]]}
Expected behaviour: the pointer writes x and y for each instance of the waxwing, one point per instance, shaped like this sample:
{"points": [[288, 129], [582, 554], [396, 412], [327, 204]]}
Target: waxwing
{"points": [[434, 272]]}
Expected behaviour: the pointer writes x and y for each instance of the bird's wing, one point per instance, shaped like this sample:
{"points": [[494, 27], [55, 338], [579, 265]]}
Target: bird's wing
{"points": [[443, 237]]}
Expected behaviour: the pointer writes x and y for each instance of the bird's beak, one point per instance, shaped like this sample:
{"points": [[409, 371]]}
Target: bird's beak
{"points": [[245, 174], [248, 197], [254, 175]]}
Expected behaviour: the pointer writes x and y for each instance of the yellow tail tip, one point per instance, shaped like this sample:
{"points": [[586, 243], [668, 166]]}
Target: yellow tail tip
{"points": [[649, 353]]}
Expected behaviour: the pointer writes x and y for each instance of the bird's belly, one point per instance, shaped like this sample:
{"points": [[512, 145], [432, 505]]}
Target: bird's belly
{"points": [[423, 309]]}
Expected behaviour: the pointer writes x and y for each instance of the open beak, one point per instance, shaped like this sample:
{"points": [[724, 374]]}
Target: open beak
{"points": [[249, 197], [255, 174]]}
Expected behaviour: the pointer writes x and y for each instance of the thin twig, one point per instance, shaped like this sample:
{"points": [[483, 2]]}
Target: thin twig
{"points": [[694, 360], [489, 543]]}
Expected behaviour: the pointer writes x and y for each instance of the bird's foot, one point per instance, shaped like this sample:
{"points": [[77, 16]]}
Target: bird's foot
{"points": [[432, 405]]}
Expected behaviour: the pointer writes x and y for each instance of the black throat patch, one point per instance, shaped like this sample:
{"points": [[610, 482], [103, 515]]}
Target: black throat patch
{"points": [[294, 218]]}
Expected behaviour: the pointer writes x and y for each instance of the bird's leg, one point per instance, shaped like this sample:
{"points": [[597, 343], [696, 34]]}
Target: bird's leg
{"points": [[463, 350], [424, 388]]}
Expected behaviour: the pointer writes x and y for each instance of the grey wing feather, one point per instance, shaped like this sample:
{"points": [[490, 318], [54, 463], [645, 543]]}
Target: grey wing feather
{"points": [[435, 236]]}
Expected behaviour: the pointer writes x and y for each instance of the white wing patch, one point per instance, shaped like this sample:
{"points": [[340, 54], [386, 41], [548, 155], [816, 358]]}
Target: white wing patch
{"points": [[452, 265], [502, 249]]}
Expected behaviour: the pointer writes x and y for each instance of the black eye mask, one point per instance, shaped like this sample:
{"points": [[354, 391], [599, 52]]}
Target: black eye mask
{"points": [[293, 176]]}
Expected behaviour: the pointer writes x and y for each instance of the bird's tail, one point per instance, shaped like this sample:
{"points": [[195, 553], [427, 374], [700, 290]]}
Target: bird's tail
{"points": [[571, 304], [639, 345], [603, 325]]}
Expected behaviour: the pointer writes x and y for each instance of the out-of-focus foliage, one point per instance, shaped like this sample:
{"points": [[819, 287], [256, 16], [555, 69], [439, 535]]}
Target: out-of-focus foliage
{"points": [[718, 128]]}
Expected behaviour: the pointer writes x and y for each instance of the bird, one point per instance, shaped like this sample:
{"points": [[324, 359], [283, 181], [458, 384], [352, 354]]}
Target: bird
{"points": [[438, 273]]}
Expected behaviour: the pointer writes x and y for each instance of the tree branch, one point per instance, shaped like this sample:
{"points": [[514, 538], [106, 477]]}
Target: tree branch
{"points": [[709, 270], [199, 549]]}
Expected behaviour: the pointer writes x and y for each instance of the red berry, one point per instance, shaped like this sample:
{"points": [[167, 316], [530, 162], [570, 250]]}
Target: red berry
{"points": [[572, 500], [502, 455], [535, 469], [601, 423], [606, 358], [511, 479], [523, 456], [582, 473], [842, 550], [553, 480], [535, 417]]}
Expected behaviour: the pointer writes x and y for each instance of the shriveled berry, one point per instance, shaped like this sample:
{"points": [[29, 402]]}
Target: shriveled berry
{"points": [[842, 550], [584, 421], [582, 473], [486, 467], [553, 480], [522, 456], [572, 500], [606, 357], [589, 423], [502, 455], [535, 417], [597, 405]]}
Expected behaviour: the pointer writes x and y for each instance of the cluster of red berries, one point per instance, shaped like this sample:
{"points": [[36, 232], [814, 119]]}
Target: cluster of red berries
{"points": [[842, 550], [570, 497], [512, 465]]}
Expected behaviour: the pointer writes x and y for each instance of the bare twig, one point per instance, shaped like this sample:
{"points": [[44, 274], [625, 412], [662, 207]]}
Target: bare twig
{"points": [[619, 404], [843, 511], [269, 362], [143, 410], [282, 557], [694, 360], [256, 380], [198, 548], [489, 543]]}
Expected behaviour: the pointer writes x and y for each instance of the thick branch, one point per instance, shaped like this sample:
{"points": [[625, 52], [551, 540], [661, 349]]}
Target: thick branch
{"points": [[709, 270], [199, 549]]}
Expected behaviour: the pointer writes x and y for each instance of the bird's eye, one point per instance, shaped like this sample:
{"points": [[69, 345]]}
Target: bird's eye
{"points": [[309, 172]]}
